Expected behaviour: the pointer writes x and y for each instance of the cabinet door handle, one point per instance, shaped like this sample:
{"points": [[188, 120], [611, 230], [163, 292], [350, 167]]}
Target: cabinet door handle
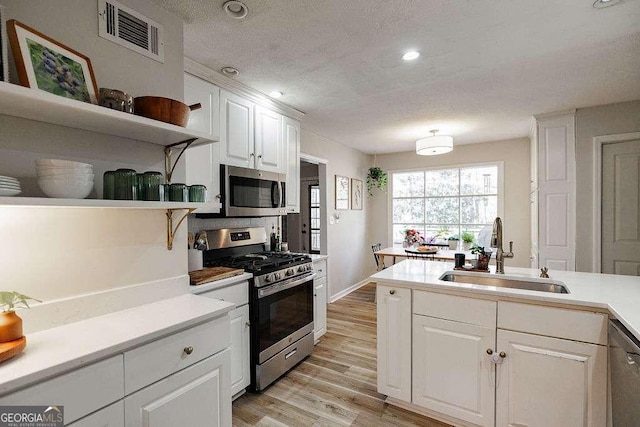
{"points": [[218, 196], [489, 351], [503, 354], [247, 324], [392, 292], [188, 350], [251, 155], [259, 156]]}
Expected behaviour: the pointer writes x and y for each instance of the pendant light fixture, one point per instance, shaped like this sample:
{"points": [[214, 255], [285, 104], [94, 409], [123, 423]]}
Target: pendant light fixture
{"points": [[434, 144]]}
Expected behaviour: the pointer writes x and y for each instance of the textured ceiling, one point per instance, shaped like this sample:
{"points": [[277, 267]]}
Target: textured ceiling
{"points": [[486, 67]]}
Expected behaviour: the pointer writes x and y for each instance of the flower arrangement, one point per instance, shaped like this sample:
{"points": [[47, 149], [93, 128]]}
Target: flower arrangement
{"points": [[412, 236]]}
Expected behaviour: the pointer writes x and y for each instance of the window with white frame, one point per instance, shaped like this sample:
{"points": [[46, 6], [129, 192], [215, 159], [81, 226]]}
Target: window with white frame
{"points": [[445, 202]]}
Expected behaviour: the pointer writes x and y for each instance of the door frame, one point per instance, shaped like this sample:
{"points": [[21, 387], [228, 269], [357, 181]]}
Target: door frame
{"points": [[598, 142]]}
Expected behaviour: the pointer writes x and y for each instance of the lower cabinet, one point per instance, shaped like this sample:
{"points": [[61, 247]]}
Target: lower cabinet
{"points": [[111, 416], [550, 382], [319, 299], [196, 396], [240, 372], [394, 342], [447, 356], [452, 370]]}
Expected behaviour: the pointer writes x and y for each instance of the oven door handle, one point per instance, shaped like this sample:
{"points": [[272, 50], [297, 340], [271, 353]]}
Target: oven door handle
{"points": [[270, 290]]}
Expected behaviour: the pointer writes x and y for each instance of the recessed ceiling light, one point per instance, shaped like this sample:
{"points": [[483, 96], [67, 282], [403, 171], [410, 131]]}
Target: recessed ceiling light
{"points": [[411, 55], [600, 4], [230, 71], [235, 9], [275, 94]]}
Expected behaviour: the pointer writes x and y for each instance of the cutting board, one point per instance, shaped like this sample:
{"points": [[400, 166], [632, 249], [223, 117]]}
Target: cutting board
{"points": [[206, 275], [11, 348]]}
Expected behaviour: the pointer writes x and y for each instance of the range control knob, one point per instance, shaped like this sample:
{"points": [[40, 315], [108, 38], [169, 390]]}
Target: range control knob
{"points": [[268, 278], [277, 276], [289, 272], [301, 269]]}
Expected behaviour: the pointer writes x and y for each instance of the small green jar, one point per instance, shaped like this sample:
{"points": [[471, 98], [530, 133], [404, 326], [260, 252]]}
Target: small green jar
{"points": [[126, 186], [109, 185], [197, 193], [152, 187], [178, 192]]}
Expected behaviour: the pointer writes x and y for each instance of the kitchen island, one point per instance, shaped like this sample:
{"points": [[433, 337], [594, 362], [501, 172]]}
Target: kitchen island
{"points": [[484, 355]]}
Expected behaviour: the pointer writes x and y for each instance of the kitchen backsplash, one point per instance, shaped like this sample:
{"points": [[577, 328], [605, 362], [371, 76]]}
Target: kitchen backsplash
{"points": [[199, 224]]}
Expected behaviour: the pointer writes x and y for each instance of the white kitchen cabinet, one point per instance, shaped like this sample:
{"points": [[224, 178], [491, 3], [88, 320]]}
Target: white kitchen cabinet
{"points": [[111, 416], [196, 396], [319, 299], [452, 372], [237, 293], [268, 141], [394, 341], [240, 368], [546, 381], [236, 130], [207, 119], [291, 142]]}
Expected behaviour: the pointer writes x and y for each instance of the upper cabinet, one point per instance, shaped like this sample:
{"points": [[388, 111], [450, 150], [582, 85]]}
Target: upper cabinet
{"points": [[268, 141], [291, 137], [236, 130], [207, 119]]}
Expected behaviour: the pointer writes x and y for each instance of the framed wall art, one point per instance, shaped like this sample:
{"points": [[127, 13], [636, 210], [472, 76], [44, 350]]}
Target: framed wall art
{"points": [[356, 194], [342, 192], [48, 65], [4, 57]]}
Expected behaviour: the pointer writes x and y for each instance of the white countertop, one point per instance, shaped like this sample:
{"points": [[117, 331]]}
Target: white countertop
{"points": [[617, 293], [64, 348], [317, 257]]}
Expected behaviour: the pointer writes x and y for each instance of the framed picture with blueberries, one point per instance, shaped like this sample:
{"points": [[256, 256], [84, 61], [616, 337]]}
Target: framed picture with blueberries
{"points": [[48, 65]]}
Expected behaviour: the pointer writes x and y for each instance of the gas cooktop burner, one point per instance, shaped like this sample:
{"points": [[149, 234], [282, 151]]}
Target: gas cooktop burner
{"points": [[264, 262]]}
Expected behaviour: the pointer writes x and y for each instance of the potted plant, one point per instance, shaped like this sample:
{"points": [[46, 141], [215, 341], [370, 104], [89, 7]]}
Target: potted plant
{"points": [[376, 178], [482, 262], [10, 322], [453, 242], [412, 238], [467, 239]]}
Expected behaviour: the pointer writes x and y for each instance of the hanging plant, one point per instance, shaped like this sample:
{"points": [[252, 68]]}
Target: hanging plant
{"points": [[376, 178]]}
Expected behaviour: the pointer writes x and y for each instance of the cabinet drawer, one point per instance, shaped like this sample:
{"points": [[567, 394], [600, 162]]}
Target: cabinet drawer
{"points": [[237, 293], [460, 309], [158, 359], [320, 267], [553, 322], [111, 416], [80, 392]]}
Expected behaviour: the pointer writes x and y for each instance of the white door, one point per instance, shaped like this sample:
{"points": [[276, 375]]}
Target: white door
{"points": [[452, 370], [240, 371], [291, 141], [546, 381], [621, 208], [236, 131], [202, 164], [196, 396], [394, 341], [319, 307], [207, 118], [268, 141]]}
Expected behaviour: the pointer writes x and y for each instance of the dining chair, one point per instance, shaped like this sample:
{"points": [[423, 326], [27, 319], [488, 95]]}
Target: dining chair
{"points": [[418, 255], [376, 247]]}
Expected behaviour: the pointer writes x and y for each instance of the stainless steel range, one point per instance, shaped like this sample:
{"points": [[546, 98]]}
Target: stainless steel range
{"points": [[280, 299]]}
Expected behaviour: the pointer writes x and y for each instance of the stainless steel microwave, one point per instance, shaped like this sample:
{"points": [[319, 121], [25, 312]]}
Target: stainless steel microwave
{"points": [[250, 192]]}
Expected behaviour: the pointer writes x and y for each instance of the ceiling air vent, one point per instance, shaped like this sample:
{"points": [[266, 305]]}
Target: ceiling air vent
{"points": [[130, 29]]}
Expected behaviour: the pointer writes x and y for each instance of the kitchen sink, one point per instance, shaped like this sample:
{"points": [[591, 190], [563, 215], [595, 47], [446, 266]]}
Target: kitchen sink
{"points": [[486, 279]]}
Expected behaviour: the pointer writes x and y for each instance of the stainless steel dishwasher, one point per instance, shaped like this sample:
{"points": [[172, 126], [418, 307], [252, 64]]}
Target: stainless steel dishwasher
{"points": [[624, 357]]}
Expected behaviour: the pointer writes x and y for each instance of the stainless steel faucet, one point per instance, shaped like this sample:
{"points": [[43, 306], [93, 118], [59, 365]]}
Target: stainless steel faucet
{"points": [[496, 242]]}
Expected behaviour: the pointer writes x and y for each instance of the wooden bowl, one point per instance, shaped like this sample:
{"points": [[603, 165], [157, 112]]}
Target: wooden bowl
{"points": [[164, 109]]}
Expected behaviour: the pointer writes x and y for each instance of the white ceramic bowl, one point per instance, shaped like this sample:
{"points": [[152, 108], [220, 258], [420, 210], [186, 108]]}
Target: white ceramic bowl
{"points": [[66, 175], [87, 169], [66, 188], [61, 163]]}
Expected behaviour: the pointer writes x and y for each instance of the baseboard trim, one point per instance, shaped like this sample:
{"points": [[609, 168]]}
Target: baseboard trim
{"points": [[350, 289], [427, 413]]}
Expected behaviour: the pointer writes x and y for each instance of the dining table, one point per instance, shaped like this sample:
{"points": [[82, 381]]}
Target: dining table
{"points": [[395, 252]]}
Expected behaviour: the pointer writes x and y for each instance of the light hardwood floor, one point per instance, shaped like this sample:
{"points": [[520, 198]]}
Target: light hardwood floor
{"points": [[336, 385]]}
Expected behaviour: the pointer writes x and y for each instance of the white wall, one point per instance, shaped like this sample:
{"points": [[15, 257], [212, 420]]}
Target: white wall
{"points": [[515, 155], [591, 122], [52, 253], [349, 250]]}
